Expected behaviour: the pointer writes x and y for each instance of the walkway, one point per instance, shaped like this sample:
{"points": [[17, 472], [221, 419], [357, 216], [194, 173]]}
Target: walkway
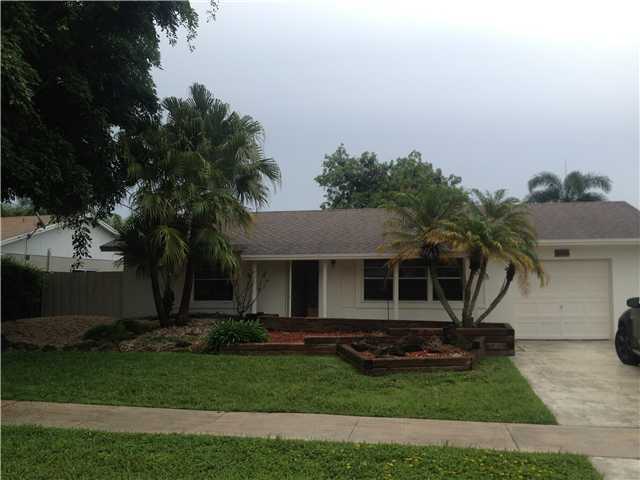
{"points": [[616, 442]]}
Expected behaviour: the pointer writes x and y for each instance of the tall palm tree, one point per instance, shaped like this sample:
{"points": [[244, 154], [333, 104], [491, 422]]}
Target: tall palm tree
{"points": [[440, 223], [231, 174], [575, 187]]}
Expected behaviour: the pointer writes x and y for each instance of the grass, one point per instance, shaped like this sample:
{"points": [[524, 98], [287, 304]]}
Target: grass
{"points": [[35, 452], [496, 391]]}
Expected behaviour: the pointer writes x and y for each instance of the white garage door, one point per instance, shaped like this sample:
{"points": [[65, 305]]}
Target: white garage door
{"points": [[575, 304]]}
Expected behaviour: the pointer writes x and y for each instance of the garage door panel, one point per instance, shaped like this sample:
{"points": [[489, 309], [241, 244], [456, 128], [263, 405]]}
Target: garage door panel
{"points": [[575, 304]]}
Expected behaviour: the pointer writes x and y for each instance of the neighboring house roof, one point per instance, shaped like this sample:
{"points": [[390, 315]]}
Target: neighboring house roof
{"points": [[16, 228], [344, 232]]}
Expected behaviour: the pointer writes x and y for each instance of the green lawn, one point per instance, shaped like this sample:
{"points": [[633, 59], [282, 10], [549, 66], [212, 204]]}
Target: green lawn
{"points": [[34, 452], [496, 391]]}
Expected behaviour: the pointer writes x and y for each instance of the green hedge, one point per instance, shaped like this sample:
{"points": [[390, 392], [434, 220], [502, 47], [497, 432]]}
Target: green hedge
{"points": [[21, 289]]}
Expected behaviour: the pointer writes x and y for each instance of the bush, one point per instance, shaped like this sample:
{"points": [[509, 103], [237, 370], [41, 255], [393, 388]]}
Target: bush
{"points": [[231, 332], [21, 289], [113, 332]]}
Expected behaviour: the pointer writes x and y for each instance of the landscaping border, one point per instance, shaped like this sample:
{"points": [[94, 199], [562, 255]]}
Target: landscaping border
{"points": [[381, 366], [499, 338]]}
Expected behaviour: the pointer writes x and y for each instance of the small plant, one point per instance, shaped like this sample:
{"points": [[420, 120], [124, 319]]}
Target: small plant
{"points": [[231, 332], [117, 331]]}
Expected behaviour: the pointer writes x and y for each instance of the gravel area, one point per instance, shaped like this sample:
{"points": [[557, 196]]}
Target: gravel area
{"points": [[57, 331]]}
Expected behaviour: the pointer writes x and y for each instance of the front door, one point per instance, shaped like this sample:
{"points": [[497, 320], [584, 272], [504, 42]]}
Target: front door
{"points": [[304, 288]]}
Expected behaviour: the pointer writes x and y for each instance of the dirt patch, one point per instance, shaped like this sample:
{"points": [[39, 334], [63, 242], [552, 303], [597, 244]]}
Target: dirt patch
{"points": [[58, 331]]}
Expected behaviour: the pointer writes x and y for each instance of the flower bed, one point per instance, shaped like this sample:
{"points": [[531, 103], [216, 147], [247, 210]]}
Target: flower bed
{"points": [[453, 359]]}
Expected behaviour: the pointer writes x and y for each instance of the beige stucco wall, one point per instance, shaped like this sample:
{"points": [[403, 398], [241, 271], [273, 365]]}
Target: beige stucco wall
{"points": [[345, 289]]}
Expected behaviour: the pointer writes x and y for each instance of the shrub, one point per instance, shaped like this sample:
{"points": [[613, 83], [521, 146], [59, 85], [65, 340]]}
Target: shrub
{"points": [[21, 289], [113, 332], [116, 332], [231, 332]]}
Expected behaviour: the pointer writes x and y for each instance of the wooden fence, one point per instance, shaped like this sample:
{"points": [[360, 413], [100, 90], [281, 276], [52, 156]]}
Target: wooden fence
{"points": [[83, 293]]}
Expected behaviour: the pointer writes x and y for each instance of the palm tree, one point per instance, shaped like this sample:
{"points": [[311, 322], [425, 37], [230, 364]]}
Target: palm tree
{"points": [[441, 223], [575, 187], [230, 172], [155, 250]]}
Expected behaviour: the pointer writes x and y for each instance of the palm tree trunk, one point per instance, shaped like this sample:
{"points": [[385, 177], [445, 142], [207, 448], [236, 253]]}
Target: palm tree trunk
{"points": [[187, 288], [503, 291], [466, 317], [433, 271], [476, 293], [163, 316]]}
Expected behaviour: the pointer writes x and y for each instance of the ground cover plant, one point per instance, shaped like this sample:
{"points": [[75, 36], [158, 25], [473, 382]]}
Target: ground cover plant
{"points": [[34, 452], [232, 332], [494, 391]]}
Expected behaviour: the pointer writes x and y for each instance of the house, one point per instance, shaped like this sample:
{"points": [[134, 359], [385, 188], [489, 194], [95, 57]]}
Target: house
{"points": [[49, 246], [326, 263]]}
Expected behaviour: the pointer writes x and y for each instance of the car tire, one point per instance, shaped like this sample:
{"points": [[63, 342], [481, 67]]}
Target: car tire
{"points": [[625, 354]]}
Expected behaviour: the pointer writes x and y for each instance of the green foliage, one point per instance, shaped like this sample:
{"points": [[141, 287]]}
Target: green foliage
{"points": [[439, 222], [364, 181], [194, 176], [116, 221], [21, 289], [575, 187], [231, 332], [117, 331], [494, 391], [27, 453], [72, 74], [22, 207]]}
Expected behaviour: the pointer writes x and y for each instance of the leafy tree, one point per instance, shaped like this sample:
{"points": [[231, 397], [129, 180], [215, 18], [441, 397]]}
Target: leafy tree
{"points": [[364, 181], [439, 223], [116, 221], [21, 207], [73, 73], [575, 187]]}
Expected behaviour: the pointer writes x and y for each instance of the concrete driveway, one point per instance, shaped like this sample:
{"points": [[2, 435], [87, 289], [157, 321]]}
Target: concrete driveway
{"points": [[584, 383]]}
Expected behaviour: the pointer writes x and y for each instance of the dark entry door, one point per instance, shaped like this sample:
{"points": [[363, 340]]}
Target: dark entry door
{"points": [[304, 288]]}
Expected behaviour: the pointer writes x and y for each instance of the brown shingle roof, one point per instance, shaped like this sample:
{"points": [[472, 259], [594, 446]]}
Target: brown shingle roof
{"points": [[14, 226], [361, 231], [586, 220]]}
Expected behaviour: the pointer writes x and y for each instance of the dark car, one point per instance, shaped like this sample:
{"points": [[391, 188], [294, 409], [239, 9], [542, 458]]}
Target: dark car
{"points": [[628, 334]]}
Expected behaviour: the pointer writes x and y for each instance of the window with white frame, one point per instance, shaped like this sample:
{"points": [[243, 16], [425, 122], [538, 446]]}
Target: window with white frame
{"points": [[211, 283], [415, 284], [451, 278], [378, 280]]}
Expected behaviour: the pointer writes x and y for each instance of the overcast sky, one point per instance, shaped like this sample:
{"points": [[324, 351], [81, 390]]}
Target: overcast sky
{"points": [[493, 94]]}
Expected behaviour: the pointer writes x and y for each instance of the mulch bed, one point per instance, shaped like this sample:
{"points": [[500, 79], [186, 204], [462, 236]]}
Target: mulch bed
{"points": [[56, 331], [449, 352]]}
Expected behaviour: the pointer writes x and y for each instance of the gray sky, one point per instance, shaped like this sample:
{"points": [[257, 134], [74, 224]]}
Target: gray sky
{"points": [[493, 94]]}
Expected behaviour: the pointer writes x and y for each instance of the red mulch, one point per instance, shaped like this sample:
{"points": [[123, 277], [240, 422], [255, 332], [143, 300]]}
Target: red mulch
{"points": [[450, 352], [279, 336]]}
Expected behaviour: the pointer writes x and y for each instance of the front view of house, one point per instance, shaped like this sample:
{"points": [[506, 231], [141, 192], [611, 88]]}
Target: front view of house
{"points": [[327, 263]]}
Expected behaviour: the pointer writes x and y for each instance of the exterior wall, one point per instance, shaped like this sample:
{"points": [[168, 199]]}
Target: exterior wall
{"points": [[59, 241], [345, 289], [624, 280]]}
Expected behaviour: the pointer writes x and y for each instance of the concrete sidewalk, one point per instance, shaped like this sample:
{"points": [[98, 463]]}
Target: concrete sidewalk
{"points": [[616, 442]]}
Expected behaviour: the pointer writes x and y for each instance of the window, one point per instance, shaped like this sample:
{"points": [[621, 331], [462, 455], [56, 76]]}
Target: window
{"points": [[451, 280], [378, 283], [211, 283], [413, 280]]}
